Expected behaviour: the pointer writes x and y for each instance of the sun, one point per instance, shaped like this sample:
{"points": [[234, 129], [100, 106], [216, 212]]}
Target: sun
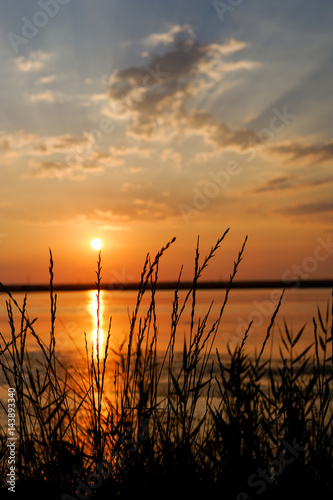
{"points": [[97, 244]]}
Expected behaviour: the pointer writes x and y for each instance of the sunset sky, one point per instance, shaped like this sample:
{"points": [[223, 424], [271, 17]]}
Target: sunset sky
{"points": [[137, 121]]}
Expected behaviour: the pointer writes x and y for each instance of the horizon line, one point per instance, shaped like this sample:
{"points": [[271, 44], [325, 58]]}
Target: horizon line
{"points": [[170, 285]]}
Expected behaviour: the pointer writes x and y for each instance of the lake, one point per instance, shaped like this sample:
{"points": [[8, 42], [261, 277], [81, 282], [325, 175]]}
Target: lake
{"points": [[76, 314]]}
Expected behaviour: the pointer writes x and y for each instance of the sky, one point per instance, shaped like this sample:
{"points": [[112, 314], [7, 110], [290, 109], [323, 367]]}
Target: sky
{"points": [[136, 122]]}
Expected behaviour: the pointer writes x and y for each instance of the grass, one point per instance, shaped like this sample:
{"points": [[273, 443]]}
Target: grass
{"points": [[205, 425]]}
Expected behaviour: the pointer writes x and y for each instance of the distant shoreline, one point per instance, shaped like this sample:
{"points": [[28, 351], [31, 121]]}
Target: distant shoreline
{"points": [[167, 285]]}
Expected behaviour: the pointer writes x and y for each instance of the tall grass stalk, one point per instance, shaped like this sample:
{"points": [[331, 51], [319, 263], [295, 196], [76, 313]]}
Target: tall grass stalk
{"points": [[197, 418]]}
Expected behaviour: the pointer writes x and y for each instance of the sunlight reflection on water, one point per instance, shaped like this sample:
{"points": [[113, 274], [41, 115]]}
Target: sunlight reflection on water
{"points": [[77, 314], [96, 309]]}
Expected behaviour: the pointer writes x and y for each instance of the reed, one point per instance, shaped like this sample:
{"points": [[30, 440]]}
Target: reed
{"points": [[209, 428]]}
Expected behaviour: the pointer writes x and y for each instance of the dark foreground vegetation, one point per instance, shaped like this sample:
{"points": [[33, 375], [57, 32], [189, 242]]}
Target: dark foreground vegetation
{"points": [[232, 427]]}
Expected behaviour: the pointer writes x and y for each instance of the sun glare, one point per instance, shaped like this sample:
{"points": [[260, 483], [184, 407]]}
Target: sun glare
{"points": [[97, 244]]}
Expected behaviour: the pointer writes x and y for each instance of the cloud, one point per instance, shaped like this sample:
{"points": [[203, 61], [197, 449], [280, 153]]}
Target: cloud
{"points": [[36, 145], [321, 207], [204, 156], [47, 79], [215, 132], [5, 145], [108, 214], [34, 62], [78, 158], [155, 98], [99, 97], [169, 36], [50, 169], [136, 170], [47, 96], [290, 182], [80, 221], [134, 150], [123, 213], [312, 152], [280, 183], [172, 158], [64, 156], [152, 209], [47, 169], [17, 144]]}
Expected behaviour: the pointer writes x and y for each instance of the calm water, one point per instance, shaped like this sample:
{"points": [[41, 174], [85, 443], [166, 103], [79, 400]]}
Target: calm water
{"points": [[76, 314]]}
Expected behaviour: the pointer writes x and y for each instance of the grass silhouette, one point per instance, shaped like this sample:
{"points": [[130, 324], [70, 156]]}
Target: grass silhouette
{"points": [[195, 424]]}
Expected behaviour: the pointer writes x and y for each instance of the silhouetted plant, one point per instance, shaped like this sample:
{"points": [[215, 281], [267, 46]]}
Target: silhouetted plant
{"points": [[198, 417]]}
